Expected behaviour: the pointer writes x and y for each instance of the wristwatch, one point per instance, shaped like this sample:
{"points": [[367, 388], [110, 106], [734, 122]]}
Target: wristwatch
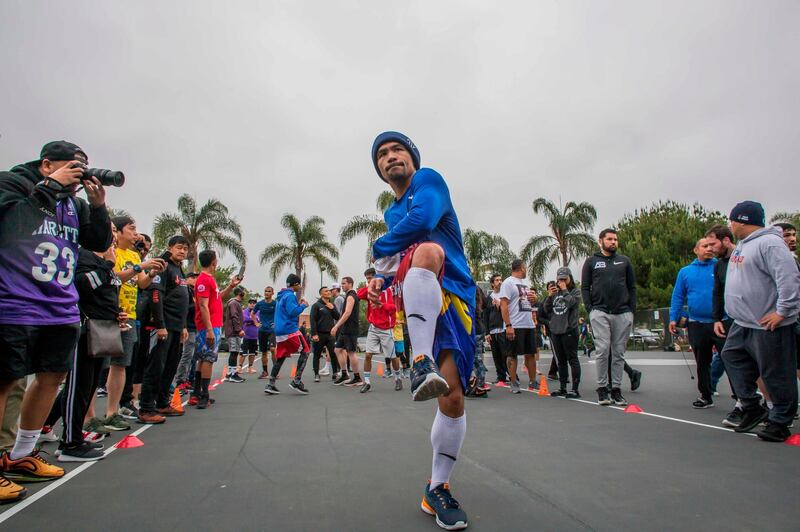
{"points": [[137, 268], [508, 325]]}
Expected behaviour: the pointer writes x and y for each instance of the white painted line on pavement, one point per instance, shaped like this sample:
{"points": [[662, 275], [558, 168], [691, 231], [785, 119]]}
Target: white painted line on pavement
{"points": [[18, 507]]}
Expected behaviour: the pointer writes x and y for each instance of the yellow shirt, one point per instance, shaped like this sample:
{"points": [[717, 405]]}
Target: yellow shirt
{"points": [[126, 259]]}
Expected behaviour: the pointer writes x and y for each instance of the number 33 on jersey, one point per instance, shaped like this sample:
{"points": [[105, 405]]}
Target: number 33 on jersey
{"points": [[39, 269]]}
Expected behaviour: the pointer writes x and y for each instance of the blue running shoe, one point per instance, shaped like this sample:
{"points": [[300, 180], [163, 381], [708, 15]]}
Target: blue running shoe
{"points": [[426, 381], [440, 503]]}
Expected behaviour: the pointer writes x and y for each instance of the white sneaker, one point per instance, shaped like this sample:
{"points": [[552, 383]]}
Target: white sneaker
{"points": [[325, 371], [48, 435]]}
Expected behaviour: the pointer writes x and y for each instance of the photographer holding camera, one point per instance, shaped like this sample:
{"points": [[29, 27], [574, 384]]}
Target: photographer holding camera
{"points": [[42, 224]]}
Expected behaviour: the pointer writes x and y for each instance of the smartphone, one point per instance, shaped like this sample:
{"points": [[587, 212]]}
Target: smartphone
{"points": [[167, 255], [240, 275]]}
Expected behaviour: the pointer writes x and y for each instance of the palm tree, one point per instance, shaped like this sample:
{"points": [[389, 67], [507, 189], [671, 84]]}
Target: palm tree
{"points": [[371, 225], [788, 217], [569, 239], [209, 226], [486, 253], [306, 241]]}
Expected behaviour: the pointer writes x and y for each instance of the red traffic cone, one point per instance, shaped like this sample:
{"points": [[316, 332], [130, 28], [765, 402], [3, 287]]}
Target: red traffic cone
{"points": [[129, 442], [381, 372], [794, 439], [633, 409]]}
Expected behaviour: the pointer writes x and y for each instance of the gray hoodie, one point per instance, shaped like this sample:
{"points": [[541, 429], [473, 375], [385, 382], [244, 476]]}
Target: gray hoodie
{"points": [[762, 278]]}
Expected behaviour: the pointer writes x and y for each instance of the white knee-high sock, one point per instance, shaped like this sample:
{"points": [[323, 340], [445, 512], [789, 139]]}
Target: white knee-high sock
{"points": [[422, 299], [447, 436]]}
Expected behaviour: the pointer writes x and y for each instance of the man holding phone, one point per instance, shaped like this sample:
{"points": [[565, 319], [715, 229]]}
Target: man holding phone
{"points": [[208, 318], [169, 300]]}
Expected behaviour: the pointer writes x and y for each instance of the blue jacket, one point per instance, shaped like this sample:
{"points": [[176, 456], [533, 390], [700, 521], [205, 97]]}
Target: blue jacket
{"points": [[694, 287], [287, 312]]}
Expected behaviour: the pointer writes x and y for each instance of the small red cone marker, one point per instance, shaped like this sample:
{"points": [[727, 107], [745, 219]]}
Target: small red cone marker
{"points": [[794, 439], [129, 442], [633, 409]]}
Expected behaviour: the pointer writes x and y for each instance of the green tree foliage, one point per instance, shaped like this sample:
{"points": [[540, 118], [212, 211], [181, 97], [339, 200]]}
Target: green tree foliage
{"points": [[569, 239], [210, 226], [788, 217], [487, 254], [659, 241], [370, 225], [307, 241]]}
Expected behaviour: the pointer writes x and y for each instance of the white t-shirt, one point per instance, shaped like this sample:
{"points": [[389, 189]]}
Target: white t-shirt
{"points": [[519, 308]]}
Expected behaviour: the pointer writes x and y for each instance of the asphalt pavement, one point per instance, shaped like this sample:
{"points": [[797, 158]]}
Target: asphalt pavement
{"points": [[339, 460]]}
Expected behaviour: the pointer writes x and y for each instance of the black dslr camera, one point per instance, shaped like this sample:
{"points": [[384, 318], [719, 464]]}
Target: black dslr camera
{"points": [[108, 178]]}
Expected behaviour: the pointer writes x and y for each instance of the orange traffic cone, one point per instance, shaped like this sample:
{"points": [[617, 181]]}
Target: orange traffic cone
{"points": [[381, 371], [294, 370], [176, 403], [543, 389]]}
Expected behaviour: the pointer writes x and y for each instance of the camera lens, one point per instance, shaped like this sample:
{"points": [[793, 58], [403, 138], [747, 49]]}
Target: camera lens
{"points": [[108, 178]]}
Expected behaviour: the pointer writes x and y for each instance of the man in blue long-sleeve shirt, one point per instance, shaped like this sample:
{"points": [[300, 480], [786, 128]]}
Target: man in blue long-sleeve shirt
{"points": [[424, 251], [694, 287]]}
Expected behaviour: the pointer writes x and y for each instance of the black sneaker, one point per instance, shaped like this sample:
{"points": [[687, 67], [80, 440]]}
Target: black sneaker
{"points": [[426, 381], [703, 403], [367, 387], [203, 402], [270, 389], [83, 452], [734, 418], [102, 392], [298, 386], [235, 377], [558, 393], [440, 503], [774, 432], [602, 396], [574, 394], [617, 398], [636, 380], [341, 380], [751, 418], [355, 380]]}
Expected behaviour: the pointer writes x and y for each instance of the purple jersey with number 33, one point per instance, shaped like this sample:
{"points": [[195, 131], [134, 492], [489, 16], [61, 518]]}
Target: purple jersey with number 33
{"points": [[37, 271]]}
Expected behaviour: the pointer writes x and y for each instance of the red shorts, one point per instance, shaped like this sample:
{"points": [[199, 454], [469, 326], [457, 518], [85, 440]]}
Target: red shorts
{"points": [[296, 343]]}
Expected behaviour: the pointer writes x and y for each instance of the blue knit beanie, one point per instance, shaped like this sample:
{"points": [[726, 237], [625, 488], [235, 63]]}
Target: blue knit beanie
{"points": [[394, 136], [748, 212]]}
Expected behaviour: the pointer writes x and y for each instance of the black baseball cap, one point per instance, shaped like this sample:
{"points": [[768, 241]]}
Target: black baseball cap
{"points": [[61, 150]]}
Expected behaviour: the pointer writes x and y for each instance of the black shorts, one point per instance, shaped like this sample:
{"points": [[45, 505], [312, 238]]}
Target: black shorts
{"points": [[524, 343], [266, 341], [348, 342], [27, 349], [249, 346]]}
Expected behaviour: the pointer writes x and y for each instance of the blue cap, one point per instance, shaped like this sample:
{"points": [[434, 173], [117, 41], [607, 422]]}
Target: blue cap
{"points": [[394, 136], [748, 212]]}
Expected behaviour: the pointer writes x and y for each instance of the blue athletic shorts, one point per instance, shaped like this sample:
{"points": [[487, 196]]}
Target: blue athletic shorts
{"points": [[455, 332], [204, 352]]}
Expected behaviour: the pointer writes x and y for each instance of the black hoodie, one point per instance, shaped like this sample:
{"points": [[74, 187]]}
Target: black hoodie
{"points": [[608, 284], [25, 201], [166, 299], [98, 287]]}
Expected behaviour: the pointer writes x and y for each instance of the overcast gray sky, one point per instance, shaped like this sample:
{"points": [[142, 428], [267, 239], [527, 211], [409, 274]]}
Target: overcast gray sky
{"points": [[272, 107]]}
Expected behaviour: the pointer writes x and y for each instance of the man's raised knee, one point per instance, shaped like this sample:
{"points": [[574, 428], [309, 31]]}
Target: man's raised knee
{"points": [[429, 256]]}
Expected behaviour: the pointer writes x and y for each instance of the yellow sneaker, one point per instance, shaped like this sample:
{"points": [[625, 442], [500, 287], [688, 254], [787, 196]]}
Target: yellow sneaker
{"points": [[31, 468], [10, 492]]}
